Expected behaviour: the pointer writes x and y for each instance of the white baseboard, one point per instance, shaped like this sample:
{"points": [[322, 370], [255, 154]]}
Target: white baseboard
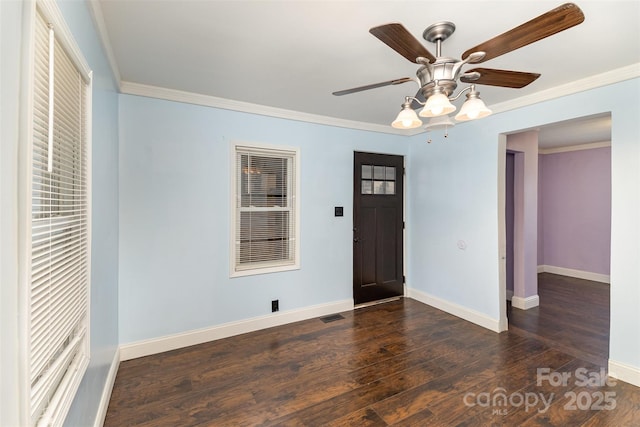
{"points": [[579, 274], [623, 372], [199, 336], [509, 294], [465, 313], [525, 303], [106, 391]]}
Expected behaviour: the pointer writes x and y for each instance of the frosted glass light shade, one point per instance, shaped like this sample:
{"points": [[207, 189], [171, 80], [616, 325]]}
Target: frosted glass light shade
{"points": [[440, 122], [473, 108], [407, 119], [437, 105]]}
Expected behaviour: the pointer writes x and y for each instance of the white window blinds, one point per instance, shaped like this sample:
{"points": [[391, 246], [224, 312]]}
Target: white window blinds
{"points": [[265, 208], [59, 225]]}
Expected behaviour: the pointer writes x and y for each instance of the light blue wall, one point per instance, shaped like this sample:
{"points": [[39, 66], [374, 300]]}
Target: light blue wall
{"points": [[104, 247], [454, 195], [174, 216]]}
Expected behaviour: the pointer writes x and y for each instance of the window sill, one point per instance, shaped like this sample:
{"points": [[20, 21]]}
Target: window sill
{"points": [[264, 270]]}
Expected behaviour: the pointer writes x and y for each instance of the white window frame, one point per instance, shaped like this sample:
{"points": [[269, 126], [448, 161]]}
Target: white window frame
{"points": [[268, 149], [62, 391]]}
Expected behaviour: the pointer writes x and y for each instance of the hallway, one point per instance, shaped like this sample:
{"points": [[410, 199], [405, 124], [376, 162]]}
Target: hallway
{"points": [[573, 316]]}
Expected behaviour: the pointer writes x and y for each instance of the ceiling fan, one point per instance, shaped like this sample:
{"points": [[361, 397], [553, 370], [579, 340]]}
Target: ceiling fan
{"points": [[438, 75]]}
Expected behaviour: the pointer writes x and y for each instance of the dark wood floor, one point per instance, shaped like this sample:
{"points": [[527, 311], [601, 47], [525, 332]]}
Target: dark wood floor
{"points": [[573, 316], [401, 363]]}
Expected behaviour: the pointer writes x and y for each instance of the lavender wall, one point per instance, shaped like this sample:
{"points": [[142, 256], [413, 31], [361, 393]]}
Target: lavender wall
{"points": [[540, 224], [576, 210], [525, 226]]}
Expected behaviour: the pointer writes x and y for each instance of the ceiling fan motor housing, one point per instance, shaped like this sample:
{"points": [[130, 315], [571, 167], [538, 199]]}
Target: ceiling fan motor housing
{"points": [[442, 74]]}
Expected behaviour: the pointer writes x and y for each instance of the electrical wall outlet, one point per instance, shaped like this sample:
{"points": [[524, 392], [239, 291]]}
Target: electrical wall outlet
{"points": [[275, 305]]}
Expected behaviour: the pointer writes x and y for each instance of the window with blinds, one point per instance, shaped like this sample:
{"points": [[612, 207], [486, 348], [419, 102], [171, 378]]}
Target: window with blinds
{"points": [[265, 220], [58, 261]]}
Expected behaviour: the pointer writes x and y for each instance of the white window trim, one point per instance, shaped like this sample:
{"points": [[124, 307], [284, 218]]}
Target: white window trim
{"points": [[232, 204], [52, 14]]}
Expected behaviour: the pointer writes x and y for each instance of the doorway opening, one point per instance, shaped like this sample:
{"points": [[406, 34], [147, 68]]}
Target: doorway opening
{"points": [[556, 236]]}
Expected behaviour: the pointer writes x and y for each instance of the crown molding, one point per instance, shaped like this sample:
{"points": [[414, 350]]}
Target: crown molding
{"points": [[95, 10], [592, 82], [578, 147], [614, 76], [149, 91]]}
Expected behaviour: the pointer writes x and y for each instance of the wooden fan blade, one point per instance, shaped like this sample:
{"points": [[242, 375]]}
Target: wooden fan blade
{"points": [[545, 25], [504, 78], [373, 86], [399, 39]]}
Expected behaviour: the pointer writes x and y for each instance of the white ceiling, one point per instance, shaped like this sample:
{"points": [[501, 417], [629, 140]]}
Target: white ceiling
{"points": [[585, 130], [293, 54]]}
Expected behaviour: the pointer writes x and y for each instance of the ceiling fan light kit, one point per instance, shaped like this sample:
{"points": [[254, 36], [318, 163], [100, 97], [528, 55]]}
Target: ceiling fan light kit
{"points": [[438, 75], [473, 108], [437, 104], [440, 122], [407, 117]]}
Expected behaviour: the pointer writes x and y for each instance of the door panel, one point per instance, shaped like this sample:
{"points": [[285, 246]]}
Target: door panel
{"points": [[378, 227], [388, 236], [367, 247]]}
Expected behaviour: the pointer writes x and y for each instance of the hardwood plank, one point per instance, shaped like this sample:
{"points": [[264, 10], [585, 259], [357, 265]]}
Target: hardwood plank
{"points": [[573, 316], [364, 417], [399, 363], [454, 383], [514, 379], [556, 413], [420, 419], [627, 408]]}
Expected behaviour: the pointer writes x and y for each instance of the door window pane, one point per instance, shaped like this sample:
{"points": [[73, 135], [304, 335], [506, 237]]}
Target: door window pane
{"points": [[378, 172], [379, 180], [378, 187], [390, 187], [366, 171], [367, 187], [390, 173]]}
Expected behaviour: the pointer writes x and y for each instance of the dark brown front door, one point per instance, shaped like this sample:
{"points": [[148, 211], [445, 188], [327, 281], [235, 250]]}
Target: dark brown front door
{"points": [[377, 227]]}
